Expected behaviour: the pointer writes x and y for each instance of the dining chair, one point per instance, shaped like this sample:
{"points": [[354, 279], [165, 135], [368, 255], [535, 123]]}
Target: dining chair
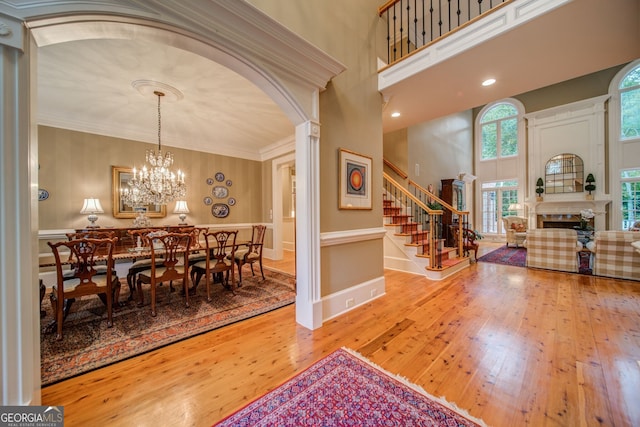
{"points": [[252, 253], [86, 278], [220, 250], [169, 261], [140, 264], [90, 234], [197, 252]]}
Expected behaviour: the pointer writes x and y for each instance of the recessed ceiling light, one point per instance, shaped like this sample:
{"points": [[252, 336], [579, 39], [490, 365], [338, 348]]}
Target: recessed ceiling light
{"points": [[395, 114], [488, 82]]}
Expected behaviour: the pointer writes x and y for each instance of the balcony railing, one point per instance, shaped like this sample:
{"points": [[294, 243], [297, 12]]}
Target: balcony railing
{"points": [[414, 24]]}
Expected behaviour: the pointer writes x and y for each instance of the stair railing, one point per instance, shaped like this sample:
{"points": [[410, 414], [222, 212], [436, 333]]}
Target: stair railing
{"points": [[415, 24], [426, 197], [429, 219]]}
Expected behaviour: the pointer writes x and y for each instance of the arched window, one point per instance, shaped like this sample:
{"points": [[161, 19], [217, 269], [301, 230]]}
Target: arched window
{"points": [[499, 130], [624, 146], [630, 105], [500, 164]]}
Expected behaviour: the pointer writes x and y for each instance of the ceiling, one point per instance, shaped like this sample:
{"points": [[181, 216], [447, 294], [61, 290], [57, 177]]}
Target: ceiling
{"points": [[87, 85]]}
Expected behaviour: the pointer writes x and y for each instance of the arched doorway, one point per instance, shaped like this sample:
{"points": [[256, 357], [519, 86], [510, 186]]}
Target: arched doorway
{"points": [[296, 95]]}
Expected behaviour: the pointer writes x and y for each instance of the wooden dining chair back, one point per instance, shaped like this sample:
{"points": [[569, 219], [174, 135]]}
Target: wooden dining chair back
{"points": [[252, 253], [220, 249], [169, 261], [140, 243], [86, 277], [90, 234], [198, 252]]}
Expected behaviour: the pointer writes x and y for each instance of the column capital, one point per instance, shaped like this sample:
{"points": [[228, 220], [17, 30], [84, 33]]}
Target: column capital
{"points": [[11, 32]]}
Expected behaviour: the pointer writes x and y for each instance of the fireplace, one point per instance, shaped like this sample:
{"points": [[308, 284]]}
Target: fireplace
{"points": [[560, 221], [566, 214]]}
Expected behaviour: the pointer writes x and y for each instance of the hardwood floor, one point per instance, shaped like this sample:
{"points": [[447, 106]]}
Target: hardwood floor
{"points": [[513, 346]]}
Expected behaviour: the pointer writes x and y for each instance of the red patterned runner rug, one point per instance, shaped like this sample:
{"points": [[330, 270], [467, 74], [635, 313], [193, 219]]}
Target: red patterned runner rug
{"points": [[345, 389]]}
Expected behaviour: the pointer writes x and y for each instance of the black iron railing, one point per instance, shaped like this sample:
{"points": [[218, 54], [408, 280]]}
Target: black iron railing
{"points": [[413, 24]]}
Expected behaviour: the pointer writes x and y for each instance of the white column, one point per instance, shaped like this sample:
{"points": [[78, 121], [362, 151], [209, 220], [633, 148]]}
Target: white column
{"points": [[19, 312], [308, 301]]}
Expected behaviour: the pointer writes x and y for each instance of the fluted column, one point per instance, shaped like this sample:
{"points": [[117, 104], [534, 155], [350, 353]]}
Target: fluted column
{"points": [[308, 299], [19, 313]]}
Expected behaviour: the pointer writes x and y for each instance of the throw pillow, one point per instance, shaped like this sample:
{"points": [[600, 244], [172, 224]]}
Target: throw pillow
{"points": [[520, 228]]}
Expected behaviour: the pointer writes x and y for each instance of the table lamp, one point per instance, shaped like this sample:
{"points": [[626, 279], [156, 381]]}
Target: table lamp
{"points": [[92, 207], [515, 207], [182, 209]]}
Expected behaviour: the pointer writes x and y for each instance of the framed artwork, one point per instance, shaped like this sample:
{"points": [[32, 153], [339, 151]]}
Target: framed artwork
{"points": [[355, 181], [120, 177]]}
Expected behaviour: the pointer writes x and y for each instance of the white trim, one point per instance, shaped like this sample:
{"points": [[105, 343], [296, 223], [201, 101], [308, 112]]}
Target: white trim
{"points": [[351, 236], [276, 200], [346, 300]]}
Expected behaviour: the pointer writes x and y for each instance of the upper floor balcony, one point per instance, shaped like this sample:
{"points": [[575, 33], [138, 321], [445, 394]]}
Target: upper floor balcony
{"points": [[434, 54]]}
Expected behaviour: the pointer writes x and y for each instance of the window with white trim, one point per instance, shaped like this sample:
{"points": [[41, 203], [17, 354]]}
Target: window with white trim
{"points": [[630, 191], [499, 131], [499, 199]]}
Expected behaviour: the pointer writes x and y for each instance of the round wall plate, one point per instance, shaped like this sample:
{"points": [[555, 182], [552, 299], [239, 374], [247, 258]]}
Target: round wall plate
{"points": [[219, 177], [42, 194], [207, 201]]}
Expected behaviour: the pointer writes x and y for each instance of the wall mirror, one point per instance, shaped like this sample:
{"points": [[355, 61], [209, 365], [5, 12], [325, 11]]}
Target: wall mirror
{"points": [[121, 176], [564, 173]]}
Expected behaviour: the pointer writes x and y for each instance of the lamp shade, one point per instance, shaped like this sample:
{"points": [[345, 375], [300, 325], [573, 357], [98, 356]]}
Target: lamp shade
{"points": [[181, 207], [91, 206], [515, 206]]}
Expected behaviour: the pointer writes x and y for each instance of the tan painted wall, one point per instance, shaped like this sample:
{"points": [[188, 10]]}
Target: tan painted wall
{"points": [[350, 117], [77, 165]]}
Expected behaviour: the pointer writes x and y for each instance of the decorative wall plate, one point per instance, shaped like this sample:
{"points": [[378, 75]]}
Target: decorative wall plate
{"points": [[219, 177], [229, 183], [220, 210], [42, 194], [209, 181], [231, 201], [208, 200], [220, 192]]}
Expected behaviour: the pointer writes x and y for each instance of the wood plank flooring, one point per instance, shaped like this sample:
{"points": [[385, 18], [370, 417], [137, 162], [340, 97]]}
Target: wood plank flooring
{"points": [[513, 346]]}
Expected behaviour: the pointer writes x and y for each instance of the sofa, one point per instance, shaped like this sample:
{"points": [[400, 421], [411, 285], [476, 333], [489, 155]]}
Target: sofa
{"points": [[515, 228], [553, 249], [615, 256]]}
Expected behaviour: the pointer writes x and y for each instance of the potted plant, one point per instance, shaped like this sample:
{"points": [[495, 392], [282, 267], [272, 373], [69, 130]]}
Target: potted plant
{"points": [[590, 186], [539, 189]]}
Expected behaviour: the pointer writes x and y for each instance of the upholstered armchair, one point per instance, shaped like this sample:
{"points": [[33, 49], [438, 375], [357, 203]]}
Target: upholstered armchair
{"points": [[615, 256], [516, 229], [553, 249]]}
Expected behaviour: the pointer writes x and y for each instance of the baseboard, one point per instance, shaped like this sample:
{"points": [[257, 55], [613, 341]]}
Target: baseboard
{"points": [[341, 302]]}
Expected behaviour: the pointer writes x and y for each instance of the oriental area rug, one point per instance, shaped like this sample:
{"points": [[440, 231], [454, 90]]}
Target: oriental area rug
{"points": [[89, 344], [518, 257], [345, 389]]}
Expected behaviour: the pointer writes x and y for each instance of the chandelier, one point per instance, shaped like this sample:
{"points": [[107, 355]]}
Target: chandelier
{"points": [[155, 183]]}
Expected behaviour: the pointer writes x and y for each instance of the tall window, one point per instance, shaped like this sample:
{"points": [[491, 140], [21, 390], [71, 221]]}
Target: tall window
{"points": [[499, 130], [630, 105], [497, 197], [630, 180], [624, 164]]}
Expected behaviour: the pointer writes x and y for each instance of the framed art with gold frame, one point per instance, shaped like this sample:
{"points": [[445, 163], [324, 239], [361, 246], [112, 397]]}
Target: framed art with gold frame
{"points": [[355, 180], [120, 177]]}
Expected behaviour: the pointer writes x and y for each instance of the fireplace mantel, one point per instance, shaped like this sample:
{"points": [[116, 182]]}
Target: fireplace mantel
{"points": [[565, 207]]}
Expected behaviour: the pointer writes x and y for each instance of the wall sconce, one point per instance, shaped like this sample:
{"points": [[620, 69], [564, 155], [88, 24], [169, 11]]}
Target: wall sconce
{"points": [[91, 207], [182, 209]]}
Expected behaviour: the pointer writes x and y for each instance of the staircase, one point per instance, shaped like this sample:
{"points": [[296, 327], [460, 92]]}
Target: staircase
{"points": [[413, 241]]}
